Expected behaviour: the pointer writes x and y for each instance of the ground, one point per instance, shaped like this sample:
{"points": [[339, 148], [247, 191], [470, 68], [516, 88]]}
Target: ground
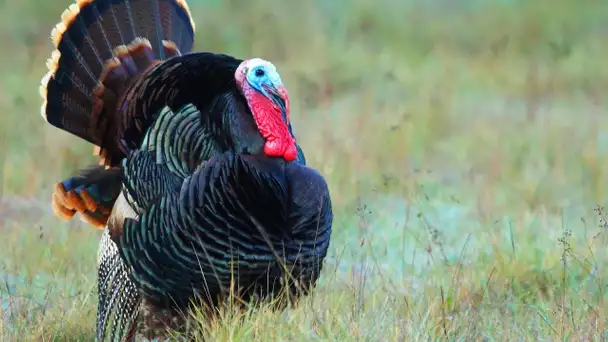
{"points": [[464, 144]]}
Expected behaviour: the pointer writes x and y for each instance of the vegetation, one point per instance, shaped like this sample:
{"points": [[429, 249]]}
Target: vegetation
{"points": [[464, 143]]}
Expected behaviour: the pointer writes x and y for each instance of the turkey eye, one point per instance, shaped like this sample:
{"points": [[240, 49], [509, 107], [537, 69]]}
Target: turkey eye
{"points": [[259, 72]]}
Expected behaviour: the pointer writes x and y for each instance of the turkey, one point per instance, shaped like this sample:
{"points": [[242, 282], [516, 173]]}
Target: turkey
{"points": [[201, 188]]}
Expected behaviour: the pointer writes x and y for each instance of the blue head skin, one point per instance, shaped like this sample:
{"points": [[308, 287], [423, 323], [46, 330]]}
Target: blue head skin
{"points": [[263, 76], [261, 85]]}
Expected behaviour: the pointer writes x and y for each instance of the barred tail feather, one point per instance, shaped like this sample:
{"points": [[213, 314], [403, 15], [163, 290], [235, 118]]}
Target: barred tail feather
{"points": [[101, 48], [119, 299]]}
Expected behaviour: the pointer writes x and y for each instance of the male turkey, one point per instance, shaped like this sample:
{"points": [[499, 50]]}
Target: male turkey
{"points": [[201, 185]]}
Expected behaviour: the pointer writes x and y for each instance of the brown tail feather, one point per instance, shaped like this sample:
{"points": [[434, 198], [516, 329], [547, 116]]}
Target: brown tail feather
{"points": [[102, 46], [91, 193]]}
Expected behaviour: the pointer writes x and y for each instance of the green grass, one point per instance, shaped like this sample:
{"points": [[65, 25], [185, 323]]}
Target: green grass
{"points": [[465, 148]]}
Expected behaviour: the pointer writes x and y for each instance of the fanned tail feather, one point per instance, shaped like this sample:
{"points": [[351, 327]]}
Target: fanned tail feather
{"points": [[102, 46]]}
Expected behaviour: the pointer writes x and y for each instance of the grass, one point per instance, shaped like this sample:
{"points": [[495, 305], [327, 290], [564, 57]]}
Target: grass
{"points": [[464, 146]]}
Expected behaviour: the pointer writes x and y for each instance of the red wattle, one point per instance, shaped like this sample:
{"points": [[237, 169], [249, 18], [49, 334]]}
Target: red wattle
{"points": [[269, 120]]}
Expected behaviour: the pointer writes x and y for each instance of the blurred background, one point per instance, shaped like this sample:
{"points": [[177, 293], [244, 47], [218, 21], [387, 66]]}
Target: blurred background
{"points": [[464, 142]]}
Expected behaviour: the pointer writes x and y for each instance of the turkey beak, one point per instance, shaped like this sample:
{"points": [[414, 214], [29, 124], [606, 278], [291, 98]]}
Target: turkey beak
{"points": [[276, 95]]}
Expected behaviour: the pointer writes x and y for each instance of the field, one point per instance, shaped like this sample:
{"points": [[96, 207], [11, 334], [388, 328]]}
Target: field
{"points": [[465, 144]]}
